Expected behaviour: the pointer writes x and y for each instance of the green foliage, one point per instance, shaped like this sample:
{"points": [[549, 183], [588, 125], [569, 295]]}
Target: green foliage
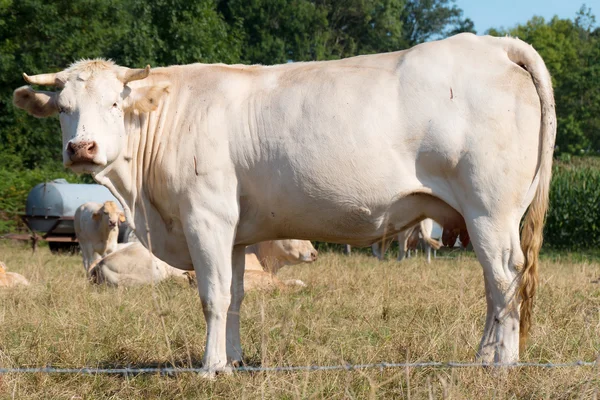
{"points": [[15, 186], [276, 31], [573, 221]]}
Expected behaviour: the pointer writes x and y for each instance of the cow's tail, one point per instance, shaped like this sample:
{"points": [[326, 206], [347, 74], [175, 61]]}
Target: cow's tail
{"points": [[532, 228], [435, 244]]}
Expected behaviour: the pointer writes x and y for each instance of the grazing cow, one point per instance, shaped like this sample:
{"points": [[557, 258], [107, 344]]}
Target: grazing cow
{"points": [[409, 239], [209, 158], [97, 229], [132, 264], [11, 279]]}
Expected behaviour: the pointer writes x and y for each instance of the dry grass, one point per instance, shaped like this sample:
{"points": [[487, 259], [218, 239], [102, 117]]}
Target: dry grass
{"points": [[354, 310]]}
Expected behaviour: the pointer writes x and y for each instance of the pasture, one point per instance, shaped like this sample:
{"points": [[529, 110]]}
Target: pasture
{"points": [[355, 310]]}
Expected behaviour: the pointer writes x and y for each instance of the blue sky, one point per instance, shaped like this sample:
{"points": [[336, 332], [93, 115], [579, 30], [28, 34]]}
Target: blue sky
{"points": [[508, 13]]}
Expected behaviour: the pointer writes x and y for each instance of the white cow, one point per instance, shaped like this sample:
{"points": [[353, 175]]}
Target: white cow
{"points": [[408, 240], [97, 229], [272, 255], [11, 279], [209, 158], [263, 260], [132, 264]]}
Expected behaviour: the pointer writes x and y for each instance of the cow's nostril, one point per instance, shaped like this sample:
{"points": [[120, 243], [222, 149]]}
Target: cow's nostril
{"points": [[83, 151], [313, 255], [91, 148], [70, 149]]}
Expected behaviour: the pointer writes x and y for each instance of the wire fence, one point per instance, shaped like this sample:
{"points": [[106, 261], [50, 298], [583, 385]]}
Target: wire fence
{"points": [[291, 368]]}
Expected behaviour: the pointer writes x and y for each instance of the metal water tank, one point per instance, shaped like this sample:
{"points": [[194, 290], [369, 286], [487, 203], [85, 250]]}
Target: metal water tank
{"points": [[59, 199]]}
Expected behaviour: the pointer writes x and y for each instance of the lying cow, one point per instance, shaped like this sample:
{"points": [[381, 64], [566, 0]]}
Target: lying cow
{"points": [[97, 229], [272, 255], [11, 279], [132, 265], [209, 158], [408, 240], [263, 260]]}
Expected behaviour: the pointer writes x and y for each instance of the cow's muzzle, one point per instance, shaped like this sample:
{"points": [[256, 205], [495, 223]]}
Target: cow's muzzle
{"points": [[82, 152]]}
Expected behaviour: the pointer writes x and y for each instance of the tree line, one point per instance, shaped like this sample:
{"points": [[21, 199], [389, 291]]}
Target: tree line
{"points": [[47, 35]]}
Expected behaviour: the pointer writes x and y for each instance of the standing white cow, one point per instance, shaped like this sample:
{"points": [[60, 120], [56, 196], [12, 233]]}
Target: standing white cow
{"points": [[408, 240], [97, 229], [210, 158]]}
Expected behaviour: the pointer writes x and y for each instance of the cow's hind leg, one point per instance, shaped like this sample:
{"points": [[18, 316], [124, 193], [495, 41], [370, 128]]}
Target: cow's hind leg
{"points": [[498, 249]]}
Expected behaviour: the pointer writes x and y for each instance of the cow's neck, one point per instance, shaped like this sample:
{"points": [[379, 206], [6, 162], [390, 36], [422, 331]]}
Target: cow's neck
{"points": [[135, 176], [110, 235]]}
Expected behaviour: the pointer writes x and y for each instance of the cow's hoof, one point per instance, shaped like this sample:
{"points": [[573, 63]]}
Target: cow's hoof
{"points": [[211, 374], [208, 374]]}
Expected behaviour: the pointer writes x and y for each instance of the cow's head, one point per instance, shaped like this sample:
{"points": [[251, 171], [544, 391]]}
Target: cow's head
{"points": [[93, 99], [110, 215], [293, 251]]}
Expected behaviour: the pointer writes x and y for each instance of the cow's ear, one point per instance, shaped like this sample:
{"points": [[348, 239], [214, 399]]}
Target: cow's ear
{"points": [[38, 103], [145, 98], [97, 216], [122, 217]]}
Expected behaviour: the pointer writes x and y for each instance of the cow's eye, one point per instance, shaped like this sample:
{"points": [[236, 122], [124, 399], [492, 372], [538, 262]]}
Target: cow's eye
{"points": [[115, 105]]}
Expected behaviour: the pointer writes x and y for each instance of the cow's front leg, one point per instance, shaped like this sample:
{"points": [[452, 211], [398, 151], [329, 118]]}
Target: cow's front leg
{"points": [[210, 238], [234, 345]]}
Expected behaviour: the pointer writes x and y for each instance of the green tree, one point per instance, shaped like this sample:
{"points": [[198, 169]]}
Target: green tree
{"points": [[423, 20], [168, 32], [280, 30]]}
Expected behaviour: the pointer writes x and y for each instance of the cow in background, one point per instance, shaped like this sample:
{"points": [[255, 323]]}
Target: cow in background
{"points": [[275, 254], [97, 229], [11, 279], [408, 240]]}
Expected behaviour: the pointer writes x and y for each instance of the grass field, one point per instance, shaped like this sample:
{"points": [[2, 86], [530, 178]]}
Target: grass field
{"points": [[354, 310]]}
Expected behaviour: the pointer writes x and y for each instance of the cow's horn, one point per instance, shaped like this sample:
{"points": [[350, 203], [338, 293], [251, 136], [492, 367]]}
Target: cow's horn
{"points": [[127, 75], [54, 79]]}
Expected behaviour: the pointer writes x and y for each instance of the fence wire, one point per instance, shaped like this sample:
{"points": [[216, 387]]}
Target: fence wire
{"points": [[291, 368]]}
